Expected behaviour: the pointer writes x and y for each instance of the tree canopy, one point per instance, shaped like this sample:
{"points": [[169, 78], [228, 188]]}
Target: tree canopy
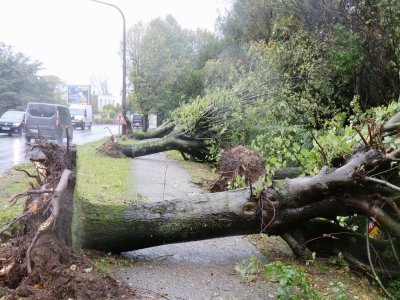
{"points": [[20, 82], [316, 57]]}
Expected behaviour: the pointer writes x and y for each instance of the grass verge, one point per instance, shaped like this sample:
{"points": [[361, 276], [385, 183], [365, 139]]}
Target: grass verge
{"points": [[101, 182], [11, 183], [101, 179]]}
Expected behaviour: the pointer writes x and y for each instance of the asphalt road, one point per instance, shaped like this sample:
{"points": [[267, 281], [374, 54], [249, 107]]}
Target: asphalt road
{"points": [[14, 151]]}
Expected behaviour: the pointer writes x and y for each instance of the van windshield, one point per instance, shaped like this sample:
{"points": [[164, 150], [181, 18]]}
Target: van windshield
{"points": [[77, 111], [41, 110]]}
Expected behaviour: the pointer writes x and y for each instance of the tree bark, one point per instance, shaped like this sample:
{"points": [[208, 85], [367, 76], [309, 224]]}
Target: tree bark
{"points": [[120, 228], [177, 140], [159, 132]]}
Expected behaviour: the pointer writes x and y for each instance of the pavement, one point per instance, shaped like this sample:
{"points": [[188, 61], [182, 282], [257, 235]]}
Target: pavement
{"points": [[194, 270]]}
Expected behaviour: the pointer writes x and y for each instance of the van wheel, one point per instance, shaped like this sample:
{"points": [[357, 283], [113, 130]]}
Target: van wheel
{"points": [[10, 133], [28, 139], [90, 126], [83, 126]]}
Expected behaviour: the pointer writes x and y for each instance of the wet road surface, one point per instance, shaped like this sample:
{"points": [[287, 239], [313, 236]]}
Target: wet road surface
{"points": [[14, 151]]}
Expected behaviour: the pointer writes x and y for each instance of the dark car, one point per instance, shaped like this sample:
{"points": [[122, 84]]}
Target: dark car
{"points": [[50, 121], [136, 120], [12, 121]]}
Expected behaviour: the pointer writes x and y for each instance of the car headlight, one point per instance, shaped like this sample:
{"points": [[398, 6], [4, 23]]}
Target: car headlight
{"points": [[16, 124]]}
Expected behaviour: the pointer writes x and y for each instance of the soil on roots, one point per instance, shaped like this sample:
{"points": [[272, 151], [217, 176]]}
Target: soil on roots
{"points": [[111, 148], [237, 161], [58, 272]]}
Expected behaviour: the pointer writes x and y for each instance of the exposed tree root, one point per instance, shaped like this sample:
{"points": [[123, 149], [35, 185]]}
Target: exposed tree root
{"points": [[111, 148], [37, 261], [234, 162]]}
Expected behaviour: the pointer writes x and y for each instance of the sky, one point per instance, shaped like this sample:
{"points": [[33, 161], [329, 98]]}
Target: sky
{"points": [[78, 40]]}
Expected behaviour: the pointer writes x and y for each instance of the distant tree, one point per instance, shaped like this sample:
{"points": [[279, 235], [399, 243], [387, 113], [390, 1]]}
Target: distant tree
{"points": [[56, 89], [247, 20], [111, 110], [133, 50], [165, 64], [19, 81]]}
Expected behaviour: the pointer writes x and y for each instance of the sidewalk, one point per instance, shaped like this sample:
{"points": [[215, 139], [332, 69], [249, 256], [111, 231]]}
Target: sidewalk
{"points": [[195, 270]]}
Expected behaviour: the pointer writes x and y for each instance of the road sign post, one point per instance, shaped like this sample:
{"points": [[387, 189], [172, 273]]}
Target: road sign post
{"points": [[120, 120]]}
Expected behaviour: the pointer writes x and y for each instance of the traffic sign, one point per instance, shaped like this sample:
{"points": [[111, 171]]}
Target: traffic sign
{"points": [[119, 119]]}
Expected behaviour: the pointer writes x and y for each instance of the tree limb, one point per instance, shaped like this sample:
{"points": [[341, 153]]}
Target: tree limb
{"points": [[383, 182], [50, 221], [23, 194]]}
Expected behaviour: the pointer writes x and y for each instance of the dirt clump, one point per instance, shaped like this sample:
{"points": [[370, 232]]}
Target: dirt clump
{"points": [[58, 273], [234, 162], [111, 148]]}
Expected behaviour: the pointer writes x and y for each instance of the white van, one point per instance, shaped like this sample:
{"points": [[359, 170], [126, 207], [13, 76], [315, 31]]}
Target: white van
{"points": [[81, 115]]}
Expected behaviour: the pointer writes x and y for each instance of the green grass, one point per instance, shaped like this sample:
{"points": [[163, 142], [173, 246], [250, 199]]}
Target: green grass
{"points": [[12, 183], [101, 179]]}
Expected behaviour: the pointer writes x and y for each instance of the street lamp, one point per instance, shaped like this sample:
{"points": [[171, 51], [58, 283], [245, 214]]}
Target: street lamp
{"points": [[123, 61]]}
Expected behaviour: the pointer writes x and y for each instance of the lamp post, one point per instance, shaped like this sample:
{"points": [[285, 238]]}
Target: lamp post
{"points": [[123, 60]]}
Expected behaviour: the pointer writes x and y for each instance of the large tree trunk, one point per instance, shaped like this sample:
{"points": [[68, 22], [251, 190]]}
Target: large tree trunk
{"points": [[127, 227], [159, 132]]}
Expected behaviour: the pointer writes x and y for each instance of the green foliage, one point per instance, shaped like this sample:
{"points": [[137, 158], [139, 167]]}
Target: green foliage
{"points": [[394, 289], [293, 283], [110, 109], [248, 269], [247, 21], [313, 149], [345, 52], [238, 183]]}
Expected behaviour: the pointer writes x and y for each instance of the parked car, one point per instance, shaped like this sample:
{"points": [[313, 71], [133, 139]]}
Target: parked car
{"points": [[81, 115], [50, 121], [12, 122], [136, 120]]}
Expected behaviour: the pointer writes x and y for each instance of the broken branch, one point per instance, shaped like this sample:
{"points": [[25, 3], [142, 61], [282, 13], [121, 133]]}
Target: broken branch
{"points": [[50, 222]]}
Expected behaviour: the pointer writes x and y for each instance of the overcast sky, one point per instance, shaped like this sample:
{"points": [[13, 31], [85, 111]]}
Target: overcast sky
{"points": [[78, 39]]}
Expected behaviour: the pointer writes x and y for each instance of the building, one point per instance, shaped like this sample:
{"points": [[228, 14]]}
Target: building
{"points": [[105, 100]]}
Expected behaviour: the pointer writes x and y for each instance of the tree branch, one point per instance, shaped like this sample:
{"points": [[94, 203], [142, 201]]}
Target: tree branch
{"points": [[34, 192], [383, 182], [50, 221]]}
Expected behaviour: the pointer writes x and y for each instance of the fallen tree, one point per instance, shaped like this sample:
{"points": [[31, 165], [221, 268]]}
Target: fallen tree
{"points": [[284, 209], [300, 210]]}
